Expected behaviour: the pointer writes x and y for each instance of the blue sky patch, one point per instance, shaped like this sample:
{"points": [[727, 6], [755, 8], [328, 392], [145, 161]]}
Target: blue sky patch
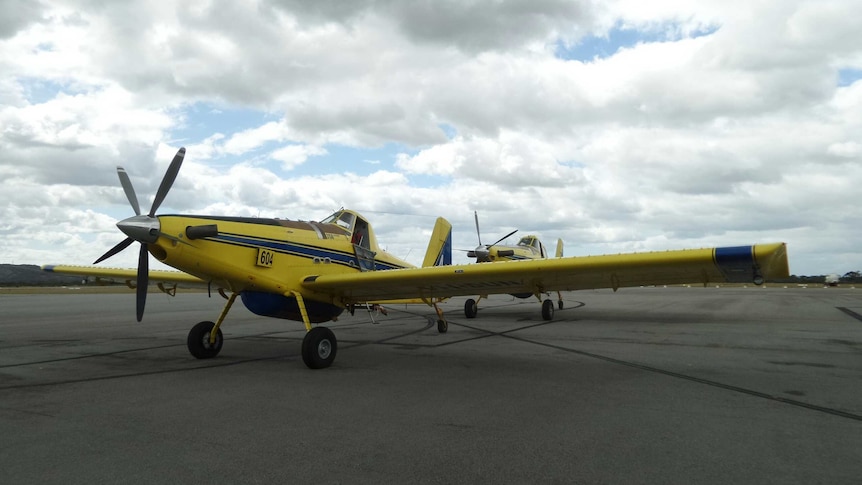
{"points": [[450, 131], [357, 160], [38, 91], [204, 120], [847, 77], [594, 47]]}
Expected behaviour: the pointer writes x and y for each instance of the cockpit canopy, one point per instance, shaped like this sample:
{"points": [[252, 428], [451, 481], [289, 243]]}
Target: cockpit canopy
{"points": [[356, 225], [344, 219], [529, 241], [533, 243]]}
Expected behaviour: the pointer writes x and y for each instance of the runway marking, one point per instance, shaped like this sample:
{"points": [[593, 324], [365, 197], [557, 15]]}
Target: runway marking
{"points": [[850, 312], [132, 374], [431, 322], [743, 390], [721, 385], [290, 356]]}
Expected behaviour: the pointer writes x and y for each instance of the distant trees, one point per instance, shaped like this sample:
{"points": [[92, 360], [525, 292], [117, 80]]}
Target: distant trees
{"points": [[848, 277], [852, 277]]}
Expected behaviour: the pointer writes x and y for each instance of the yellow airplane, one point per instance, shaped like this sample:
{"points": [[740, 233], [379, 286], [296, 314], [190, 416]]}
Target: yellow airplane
{"points": [[313, 271], [528, 247]]}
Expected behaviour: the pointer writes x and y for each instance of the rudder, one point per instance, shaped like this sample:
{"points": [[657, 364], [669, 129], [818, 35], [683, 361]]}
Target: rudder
{"points": [[439, 251]]}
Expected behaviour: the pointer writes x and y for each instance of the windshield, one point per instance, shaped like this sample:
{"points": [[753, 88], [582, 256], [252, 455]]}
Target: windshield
{"points": [[341, 219], [527, 241]]}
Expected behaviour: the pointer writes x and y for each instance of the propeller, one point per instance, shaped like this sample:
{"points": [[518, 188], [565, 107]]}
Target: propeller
{"points": [[144, 229], [483, 251]]}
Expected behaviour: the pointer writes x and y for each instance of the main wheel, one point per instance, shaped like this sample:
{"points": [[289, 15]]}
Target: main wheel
{"points": [[548, 309], [560, 304], [442, 326], [319, 347], [470, 308], [199, 341]]}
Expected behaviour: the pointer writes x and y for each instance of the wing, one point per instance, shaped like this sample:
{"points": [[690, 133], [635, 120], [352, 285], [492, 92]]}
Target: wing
{"points": [[127, 276], [731, 264]]}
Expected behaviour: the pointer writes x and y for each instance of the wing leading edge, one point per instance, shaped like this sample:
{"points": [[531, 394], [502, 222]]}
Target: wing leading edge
{"points": [[124, 275], [730, 264]]}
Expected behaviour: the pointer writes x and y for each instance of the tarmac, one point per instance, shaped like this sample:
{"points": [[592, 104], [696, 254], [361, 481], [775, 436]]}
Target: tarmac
{"points": [[645, 385]]}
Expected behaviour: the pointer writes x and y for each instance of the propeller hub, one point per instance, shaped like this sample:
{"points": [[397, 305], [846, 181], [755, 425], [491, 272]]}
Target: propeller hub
{"points": [[483, 254], [142, 228]]}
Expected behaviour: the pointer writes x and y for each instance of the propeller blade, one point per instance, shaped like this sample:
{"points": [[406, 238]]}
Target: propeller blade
{"points": [[116, 249], [504, 237], [143, 281], [168, 180], [130, 191], [476, 216]]}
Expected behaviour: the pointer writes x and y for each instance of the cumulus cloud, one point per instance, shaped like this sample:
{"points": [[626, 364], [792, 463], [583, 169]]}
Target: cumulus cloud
{"points": [[722, 123]]}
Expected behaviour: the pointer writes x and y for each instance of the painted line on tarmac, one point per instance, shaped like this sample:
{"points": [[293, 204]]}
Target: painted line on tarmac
{"points": [[850, 312], [750, 392]]}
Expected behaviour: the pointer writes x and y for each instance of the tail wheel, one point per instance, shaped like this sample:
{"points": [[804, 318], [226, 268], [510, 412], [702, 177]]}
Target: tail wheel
{"points": [[199, 341], [470, 308], [319, 347], [548, 309]]}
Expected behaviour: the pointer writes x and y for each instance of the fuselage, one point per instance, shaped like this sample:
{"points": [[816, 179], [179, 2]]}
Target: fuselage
{"points": [[265, 260], [529, 247]]}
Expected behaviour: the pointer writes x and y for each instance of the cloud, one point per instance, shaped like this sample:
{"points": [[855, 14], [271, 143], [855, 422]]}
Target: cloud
{"points": [[18, 14], [720, 123], [294, 155]]}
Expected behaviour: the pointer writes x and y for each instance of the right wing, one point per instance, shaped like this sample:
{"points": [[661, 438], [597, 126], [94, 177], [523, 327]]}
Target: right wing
{"points": [[732, 264]]}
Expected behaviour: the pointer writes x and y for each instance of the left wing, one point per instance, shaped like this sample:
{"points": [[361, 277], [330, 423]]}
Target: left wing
{"points": [[127, 276], [731, 264]]}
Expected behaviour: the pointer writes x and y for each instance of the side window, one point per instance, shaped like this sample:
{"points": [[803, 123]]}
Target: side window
{"points": [[345, 220]]}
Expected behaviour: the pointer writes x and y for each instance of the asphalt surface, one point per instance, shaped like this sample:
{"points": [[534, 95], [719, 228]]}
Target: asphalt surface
{"points": [[648, 385]]}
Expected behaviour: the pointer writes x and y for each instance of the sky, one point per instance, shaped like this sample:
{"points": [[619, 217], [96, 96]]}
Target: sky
{"points": [[617, 126]]}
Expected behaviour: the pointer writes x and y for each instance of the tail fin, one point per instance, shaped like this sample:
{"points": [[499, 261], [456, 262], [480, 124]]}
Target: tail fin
{"points": [[440, 247], [559, 248]]}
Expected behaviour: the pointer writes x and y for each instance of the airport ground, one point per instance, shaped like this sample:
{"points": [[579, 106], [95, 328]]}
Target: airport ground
{"points": [[646, 385]]}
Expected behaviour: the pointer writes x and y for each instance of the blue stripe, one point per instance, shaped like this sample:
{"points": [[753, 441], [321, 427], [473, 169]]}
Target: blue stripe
{"points": [[445, 256], [303, 251], [736, 263]]}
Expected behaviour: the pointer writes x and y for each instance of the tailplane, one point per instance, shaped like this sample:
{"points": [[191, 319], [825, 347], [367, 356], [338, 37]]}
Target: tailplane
{"points": [[440, 247]]}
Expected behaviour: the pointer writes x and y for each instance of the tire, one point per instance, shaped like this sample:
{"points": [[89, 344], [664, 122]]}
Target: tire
{"points": [[199, 341], [442, 326], [560, 304], [470, 308], [319, 348], [548, 309]]}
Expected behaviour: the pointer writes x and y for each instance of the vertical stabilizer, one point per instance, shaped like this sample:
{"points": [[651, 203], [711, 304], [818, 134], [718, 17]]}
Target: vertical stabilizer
{"points": [[440, 247], [559, 248]]}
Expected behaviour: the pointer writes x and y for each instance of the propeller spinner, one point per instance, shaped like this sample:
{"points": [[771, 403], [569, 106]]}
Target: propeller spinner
{"points": [[143, 228]]}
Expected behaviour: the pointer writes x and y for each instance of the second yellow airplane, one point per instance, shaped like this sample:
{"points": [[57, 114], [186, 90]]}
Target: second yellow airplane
{"points": [[528, 247]]}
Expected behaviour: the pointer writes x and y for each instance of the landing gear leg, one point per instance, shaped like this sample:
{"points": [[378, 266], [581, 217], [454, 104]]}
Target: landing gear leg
{"points": [[560, 300], [205, 338], [319, 345], [442, 324]]}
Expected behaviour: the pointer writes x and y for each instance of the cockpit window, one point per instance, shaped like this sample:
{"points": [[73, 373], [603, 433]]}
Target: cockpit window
{"points": [[527, 241], [341, 219]]}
